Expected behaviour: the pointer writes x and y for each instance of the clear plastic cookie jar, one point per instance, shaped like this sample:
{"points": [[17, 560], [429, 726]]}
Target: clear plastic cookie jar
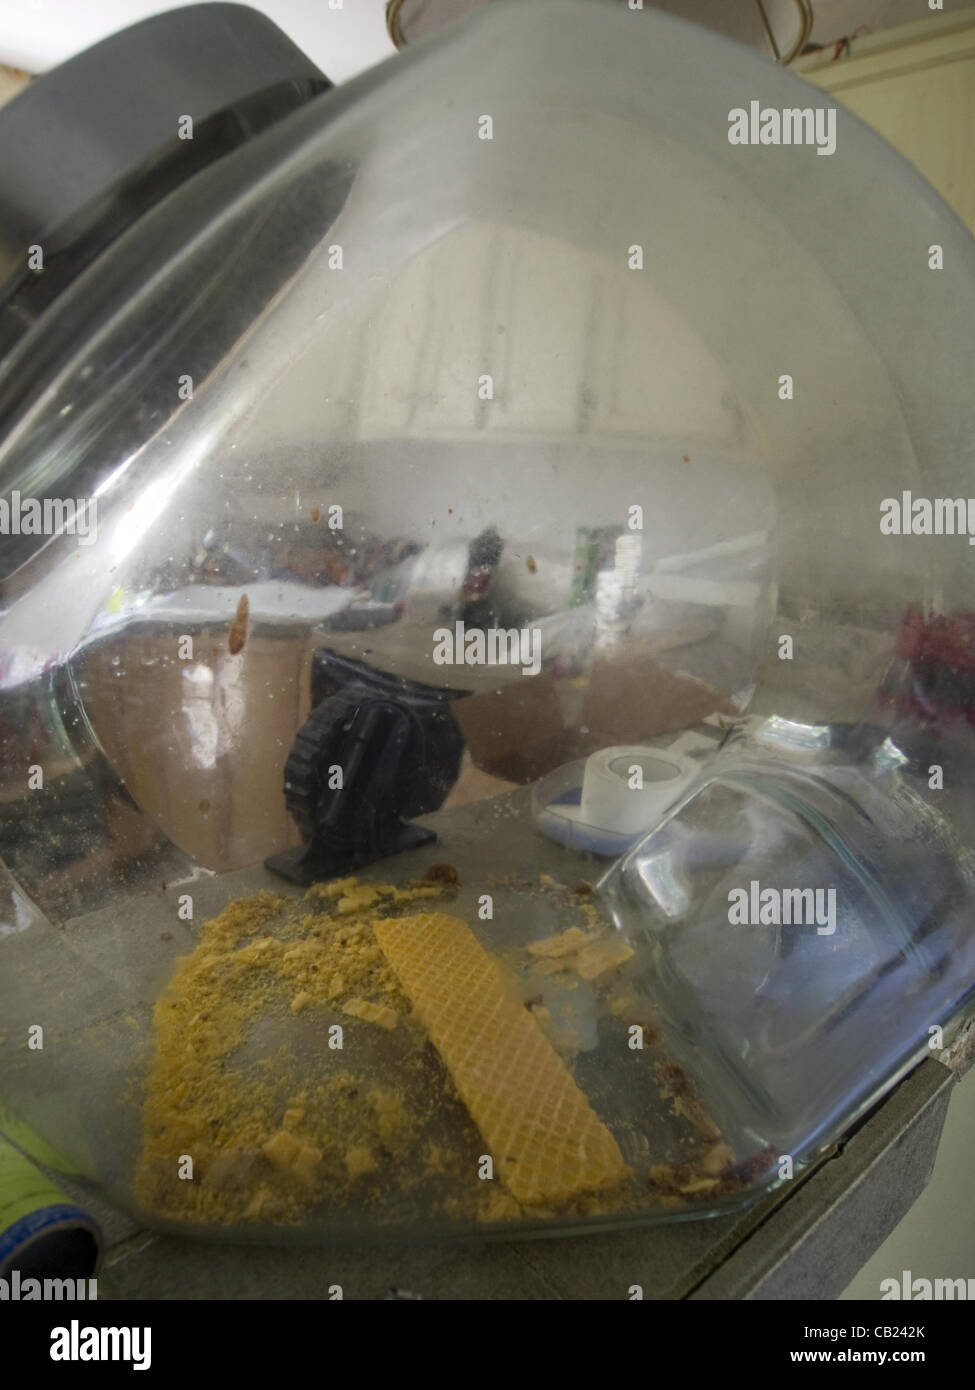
{"points": [[432, 467]]}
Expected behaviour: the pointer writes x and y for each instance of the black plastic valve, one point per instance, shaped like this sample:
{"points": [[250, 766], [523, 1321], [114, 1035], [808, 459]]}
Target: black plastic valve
{"points": [[369, 757]]}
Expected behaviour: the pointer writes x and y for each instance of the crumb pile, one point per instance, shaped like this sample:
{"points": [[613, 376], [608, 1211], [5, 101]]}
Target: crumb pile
{"points": [[267, 1136], [290, 1068]]}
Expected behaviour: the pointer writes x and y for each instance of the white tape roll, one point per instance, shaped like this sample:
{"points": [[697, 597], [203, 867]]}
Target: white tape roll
{"points": [[627, 790]]}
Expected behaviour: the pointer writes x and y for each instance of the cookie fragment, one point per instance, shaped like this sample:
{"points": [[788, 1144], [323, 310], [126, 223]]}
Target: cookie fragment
{"points": [[547, 1142]]}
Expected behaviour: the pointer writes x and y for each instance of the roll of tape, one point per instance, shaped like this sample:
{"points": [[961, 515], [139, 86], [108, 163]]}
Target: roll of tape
{"points": [[42, 1232], [627, 790]]}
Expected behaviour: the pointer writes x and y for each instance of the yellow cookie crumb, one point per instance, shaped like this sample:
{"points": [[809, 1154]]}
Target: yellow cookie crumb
{"points": [[357, 899], [626, 1004], [306, 1161], [336, 889], [359, 1160], [603, 955], [372, 1013], [551, 965], [390, 1114], [426, 890], [282, 1149], [563, 944]]}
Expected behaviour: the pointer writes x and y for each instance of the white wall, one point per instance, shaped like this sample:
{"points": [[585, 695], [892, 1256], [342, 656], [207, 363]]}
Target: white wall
{"points": [[836, 19], [37, 34]]}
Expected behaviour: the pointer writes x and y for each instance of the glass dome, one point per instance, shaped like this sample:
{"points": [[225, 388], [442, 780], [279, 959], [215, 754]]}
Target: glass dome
{"points": [[453, 479]]}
